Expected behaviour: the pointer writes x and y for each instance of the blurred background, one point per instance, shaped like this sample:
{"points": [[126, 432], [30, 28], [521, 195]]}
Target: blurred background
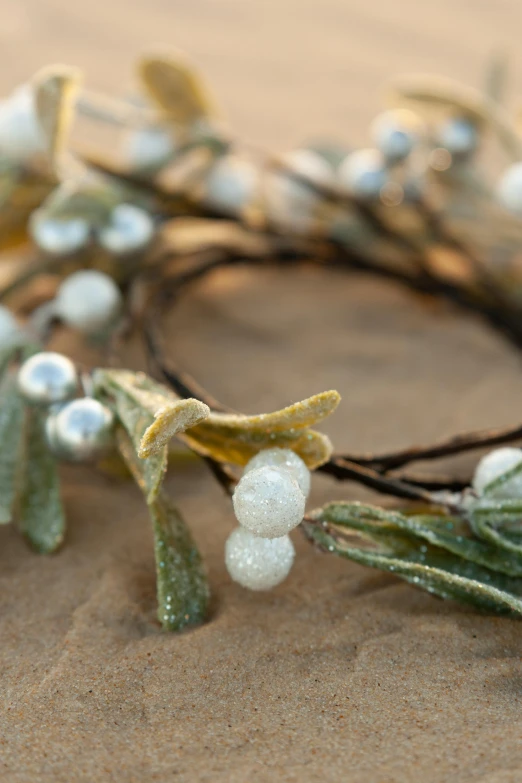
{"points": [[282, 70]]}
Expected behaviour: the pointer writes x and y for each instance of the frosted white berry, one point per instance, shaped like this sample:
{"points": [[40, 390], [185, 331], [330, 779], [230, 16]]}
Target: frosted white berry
{"points": [[9, 328], [231, 184], [293, 204], [129, 230], [269, 502], [286, 459], [363, 173], [258, 563], [88, 300], [395, 133], [21, 136], [58, 236], [509, 189], [494, 465]]}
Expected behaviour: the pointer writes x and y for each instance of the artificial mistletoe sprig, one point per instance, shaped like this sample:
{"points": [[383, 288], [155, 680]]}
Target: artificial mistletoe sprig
{"points": [[122, 243]]}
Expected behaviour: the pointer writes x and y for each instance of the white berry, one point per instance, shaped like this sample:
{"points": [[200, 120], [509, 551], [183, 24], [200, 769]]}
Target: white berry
{"points": [[21, 136], [363, 173], [80, 431], [492, 466], [129, 230], [509, 189], [395, 133], [459, 136], [231, 184], [291, 203], [47, 378], [258, 563], [58, 236], [269, 502], [88, 300], [285, 459]]}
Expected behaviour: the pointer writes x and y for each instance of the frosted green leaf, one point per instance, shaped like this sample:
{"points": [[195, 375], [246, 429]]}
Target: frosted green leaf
{"points": [[182, 586], [451, 533], [40, 513], [375, 538], [11, 438]]}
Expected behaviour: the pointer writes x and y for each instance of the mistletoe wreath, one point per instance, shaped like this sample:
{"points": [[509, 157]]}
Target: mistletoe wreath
{"points": [[118, 243]]}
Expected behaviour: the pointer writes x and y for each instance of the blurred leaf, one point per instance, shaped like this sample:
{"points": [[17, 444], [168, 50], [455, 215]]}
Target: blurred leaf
{"points": [[11, 438], [40, 513], [381, 542], [185, 235], [175, 87], [182, 587], [235, 438], [55, 91]]}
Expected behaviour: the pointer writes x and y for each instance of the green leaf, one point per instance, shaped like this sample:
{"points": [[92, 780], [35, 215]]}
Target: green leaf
{"points": [[183, 593], [182, 587], [499, 522], [451, 533], [40, 513], [12, 431], [377, 538]]}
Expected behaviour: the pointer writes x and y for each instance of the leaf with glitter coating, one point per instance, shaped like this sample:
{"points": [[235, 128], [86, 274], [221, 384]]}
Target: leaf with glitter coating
{"points": [[40, 514], [182, 586], [229, 437], [386, 547], [151, 415], [451, 533]]}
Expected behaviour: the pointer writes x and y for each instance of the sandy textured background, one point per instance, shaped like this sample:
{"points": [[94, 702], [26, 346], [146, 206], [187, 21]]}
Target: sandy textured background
{"points": [[341, 674]]}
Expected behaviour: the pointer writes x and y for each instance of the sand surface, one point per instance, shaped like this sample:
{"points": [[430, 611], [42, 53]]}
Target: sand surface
{"points": [[340, 674]]}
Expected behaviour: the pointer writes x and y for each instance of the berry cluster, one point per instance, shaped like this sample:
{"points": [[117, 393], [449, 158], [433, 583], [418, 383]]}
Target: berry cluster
{"points": [[269, 502]]}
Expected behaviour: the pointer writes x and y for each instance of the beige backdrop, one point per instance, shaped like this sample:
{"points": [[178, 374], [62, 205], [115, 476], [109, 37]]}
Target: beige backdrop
{"points": [[340, 674]]}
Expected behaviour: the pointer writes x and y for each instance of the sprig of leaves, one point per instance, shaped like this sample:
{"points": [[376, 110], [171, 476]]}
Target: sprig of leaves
{"points": [[439, 553]]}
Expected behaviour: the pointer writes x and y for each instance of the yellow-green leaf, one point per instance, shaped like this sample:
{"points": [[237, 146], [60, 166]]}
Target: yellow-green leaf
{"points": [[236, 438], [173, 418], [55, 91], [175, 87]]}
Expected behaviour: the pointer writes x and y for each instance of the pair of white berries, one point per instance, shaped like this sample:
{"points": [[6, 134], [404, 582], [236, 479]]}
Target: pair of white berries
{"points": [[396, 133], [77, 430], [269, 502], [129, 229]]}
